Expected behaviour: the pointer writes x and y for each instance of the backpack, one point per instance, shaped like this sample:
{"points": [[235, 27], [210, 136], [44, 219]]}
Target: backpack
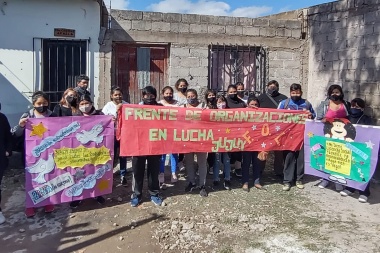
{"points": [[287, 101]]}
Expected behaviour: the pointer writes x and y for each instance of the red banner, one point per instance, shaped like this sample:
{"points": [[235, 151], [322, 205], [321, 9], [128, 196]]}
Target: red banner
{"points": [[153, 130]]}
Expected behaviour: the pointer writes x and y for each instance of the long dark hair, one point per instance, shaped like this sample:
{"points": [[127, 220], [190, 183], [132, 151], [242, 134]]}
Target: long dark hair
{"points": [[209, 104]]}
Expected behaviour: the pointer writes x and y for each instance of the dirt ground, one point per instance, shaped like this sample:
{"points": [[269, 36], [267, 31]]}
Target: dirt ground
{"points": [[270, 220]]}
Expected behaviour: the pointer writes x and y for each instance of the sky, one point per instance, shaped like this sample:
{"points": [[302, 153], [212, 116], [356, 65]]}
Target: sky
{"points": [[237, 8]]}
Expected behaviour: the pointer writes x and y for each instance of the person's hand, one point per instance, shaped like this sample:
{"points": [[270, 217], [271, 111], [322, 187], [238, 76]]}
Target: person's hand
{"points": [[22, 122], [263, 156], [113, 118], [119, 106], [323, 120], [6, 153], [309, 114]]}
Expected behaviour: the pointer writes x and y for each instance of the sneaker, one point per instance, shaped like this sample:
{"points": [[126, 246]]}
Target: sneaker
{"points": [[100, 200], [346, 193], [238, 173], [156, 200], [211, 171], [161, 178], [363, 199], [286, 187], [300, 185], [74, 204], [227, 185], [245, 187], [124, 181], [49, 208], [339, 187], [135, 201], [203, 192], [30, 212], [163, 186], [2, 218], [190, 187], [181, 166], [323, 184], [174, 178]]}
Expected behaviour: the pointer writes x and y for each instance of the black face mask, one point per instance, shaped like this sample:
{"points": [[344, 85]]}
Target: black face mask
{"points": [[168, 98], [192, 101], [149, 101], [233, 96], [41, 109], [183, 89], [355, 112], [71, 100], [240, 93], [272, 92], [295, 98], [211, 100], [336, 97]]}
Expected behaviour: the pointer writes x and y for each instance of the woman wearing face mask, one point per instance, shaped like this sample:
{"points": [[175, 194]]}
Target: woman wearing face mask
{"points": [[68, 106], [257, 159], [86, 106], [40, 109], [168, 100], [193, 102], [358, 117], [333, 107], [233, 101], [112, 108], [181, 86], [241, 92], [210, 98]]}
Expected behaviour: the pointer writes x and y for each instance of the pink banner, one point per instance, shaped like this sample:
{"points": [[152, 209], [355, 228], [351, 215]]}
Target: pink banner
{"points": [[68, 158]]}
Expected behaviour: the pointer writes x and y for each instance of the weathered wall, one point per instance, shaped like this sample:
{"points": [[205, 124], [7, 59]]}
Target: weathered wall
{"points": [[344, 49], [190, 35]]}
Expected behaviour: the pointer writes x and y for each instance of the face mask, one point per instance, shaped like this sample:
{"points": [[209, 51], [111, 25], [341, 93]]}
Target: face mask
{"points": [[71, 100], [41, 109], [168, 98], [240, 93], [192, 101], [85, 108], [211, 100], [336, 97], [356, 112], [221, 106], [183, 89], [232, 96], [149, 101], [295, 98]]}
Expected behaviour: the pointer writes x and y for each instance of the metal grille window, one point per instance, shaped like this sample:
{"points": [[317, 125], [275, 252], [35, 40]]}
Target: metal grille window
{"points": [[232, 64], [62, 61]]}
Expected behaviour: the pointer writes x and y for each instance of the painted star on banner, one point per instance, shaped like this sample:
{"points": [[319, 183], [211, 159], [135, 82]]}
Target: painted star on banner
{"points": [[370, 144], [278, 128], [254, 127], [38, 130], [263, 145], [228, 131], [310, 134]]}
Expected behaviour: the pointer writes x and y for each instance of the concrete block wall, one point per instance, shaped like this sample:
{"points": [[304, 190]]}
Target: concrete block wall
{"points": [[344, 49], [189, 37]]}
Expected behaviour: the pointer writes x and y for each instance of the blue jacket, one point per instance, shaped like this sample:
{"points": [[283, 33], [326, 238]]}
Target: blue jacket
{"points": [[301, 105]]}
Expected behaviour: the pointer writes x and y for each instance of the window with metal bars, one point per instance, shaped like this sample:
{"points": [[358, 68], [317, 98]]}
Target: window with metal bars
{"points": [[229, 64]]}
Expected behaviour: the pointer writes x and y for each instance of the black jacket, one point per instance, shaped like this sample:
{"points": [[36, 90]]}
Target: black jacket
{"points": [[266, 102], [62, 111], [361, 120], [235, 103], [5, 141]]}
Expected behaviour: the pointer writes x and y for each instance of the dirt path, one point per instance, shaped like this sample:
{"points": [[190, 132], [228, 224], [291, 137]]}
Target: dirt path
{"points": [[312, 220]]}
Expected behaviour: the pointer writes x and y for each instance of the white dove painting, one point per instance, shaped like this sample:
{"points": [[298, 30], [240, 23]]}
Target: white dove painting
{"points": [[42, 167], [85, 137]]}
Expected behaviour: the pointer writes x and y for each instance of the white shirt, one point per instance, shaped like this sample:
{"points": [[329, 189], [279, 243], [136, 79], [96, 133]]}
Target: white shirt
{"points": [[175, 104], [110, 108], [181, 100]]}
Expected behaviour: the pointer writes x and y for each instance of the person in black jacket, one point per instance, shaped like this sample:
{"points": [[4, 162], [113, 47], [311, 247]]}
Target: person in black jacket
{"points": [[86, 106], [149, 94], [5, 151], [271, 99], [82, 85], [357, 116], [68, 106]]}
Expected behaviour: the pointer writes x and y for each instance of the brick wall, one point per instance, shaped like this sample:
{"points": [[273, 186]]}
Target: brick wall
{"points": [[344, 49], [190, 35]]}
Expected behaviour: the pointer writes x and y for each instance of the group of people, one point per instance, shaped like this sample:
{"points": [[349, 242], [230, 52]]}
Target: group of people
{"points": [[289, 164]]}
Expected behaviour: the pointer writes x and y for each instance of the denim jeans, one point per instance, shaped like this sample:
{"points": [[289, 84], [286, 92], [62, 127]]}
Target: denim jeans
{"points": [[250, 157], [122, 160], [225, 159], [173, 163], [202, 167]]}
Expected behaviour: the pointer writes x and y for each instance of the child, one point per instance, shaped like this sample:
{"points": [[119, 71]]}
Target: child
{"points": [[223, 157], [252, 157], [193, 102], [40, 109], [149, 94], [112, 108], [294, 160], [168, 100], [5, 151]]}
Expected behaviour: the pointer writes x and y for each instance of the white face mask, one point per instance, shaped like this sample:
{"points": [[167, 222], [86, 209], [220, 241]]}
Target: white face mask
{"points": [[85, 108]]}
